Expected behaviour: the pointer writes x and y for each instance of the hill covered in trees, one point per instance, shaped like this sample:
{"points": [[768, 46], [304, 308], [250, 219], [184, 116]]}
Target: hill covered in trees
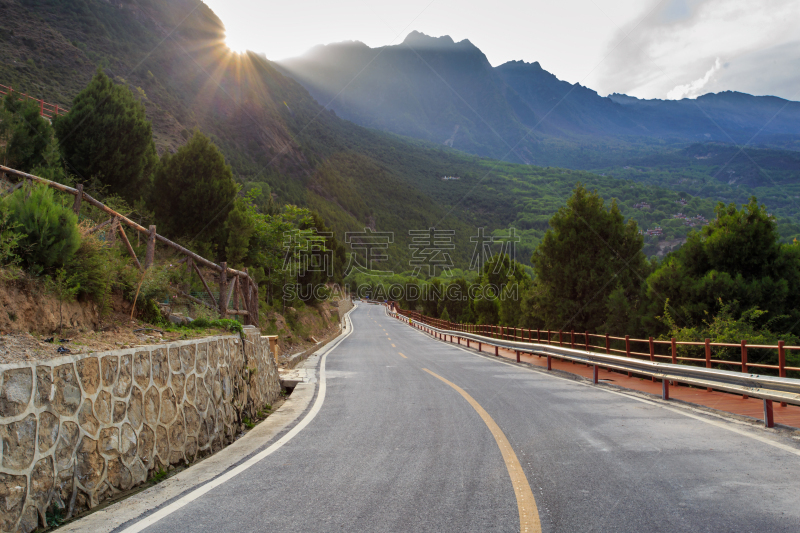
{"points": [[275, 136]]}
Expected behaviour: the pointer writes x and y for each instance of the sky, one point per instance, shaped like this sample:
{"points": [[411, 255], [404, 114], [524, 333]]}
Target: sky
{"points": [[644, 48]]}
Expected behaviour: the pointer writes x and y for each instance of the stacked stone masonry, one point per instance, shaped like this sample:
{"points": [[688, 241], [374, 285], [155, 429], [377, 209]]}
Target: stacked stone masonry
{"points": [[79, 429]]}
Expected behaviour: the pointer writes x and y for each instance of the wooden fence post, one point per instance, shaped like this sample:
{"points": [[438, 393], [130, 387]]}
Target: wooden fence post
{"points": [[129, 247], [78, 198], [111, 234], [223, 290], [236, 293], [151, 247]]}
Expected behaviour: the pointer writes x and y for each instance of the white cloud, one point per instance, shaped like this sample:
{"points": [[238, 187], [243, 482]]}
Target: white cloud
{"points": [[678, 39], [694, 88]]}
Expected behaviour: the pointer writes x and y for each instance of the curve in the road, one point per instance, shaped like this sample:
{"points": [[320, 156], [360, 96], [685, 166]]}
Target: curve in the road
{"points": [[528, 512], [200, 491]]}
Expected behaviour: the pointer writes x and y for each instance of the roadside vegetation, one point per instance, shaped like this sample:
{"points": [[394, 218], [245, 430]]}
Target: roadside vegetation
{"points": [[106, 143], [732, 280]]}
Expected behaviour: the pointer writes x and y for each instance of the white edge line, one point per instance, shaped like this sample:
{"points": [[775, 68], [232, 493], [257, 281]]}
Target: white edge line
{"points": [[197, 493], [727, 424]]}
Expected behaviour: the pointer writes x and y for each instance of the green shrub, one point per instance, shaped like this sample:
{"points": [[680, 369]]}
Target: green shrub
{"points": [[223, 323], [93, 268], [51, 235], [9, 238], [25, 133], [151, 313]]}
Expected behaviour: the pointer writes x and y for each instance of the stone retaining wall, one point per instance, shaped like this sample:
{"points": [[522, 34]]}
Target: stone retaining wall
{"points": [[78, 429]]}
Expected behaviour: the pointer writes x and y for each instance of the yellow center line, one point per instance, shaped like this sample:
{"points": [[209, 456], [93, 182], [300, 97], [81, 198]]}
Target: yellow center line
{"points": [[393, 346], [403, 356], [526, 503]]}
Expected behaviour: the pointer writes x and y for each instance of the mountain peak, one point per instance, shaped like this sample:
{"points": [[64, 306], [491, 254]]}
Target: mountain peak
{"points": [[522, 64], [420, 40]]}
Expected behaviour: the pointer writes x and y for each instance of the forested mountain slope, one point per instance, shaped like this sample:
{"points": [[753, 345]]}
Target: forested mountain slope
{"points": [[275, 134]]}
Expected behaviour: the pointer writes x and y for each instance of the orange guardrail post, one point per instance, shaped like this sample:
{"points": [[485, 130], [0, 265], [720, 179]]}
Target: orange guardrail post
{"points": [[782, 363], [628, 349], [708, 358]]}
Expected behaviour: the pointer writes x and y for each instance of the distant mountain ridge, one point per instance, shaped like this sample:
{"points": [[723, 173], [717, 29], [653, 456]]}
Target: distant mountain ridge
{"points": [[425, 88], [439, 90]]}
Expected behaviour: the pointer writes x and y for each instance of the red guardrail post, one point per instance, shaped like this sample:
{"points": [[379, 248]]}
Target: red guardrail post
{"points": [[628, 349], [744, 361], [769, 419], [665, 389], [549, 363], [652, 355], [782, 363], [560, 340], [572, 339], [708, 358], [594, 374], [608, 344]]}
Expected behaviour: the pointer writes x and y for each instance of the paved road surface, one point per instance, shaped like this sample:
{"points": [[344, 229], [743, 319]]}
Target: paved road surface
{"points": [[396, 448]]}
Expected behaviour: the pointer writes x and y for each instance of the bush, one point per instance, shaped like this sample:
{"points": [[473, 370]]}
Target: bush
{"points": [[223, 323], [50, 229], [26, 134], [9, 238]]}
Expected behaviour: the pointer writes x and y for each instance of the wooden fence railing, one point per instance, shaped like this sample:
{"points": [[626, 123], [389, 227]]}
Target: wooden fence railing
{"points": [[650, 348], [234, 285], [45, 109]]}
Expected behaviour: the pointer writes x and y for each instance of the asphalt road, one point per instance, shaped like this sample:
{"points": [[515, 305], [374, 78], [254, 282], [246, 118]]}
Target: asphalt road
{"points": [[394, 448]]}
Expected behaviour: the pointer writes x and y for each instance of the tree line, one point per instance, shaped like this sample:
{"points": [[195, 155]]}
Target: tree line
{"points": [[732, 280]]}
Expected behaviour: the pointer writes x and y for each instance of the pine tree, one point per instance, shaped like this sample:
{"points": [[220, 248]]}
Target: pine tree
{"points": [[106, 136], [589, 253], [193, 193]]}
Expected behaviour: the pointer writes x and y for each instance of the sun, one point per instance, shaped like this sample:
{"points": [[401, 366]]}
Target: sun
{"points": [[236, 43]]}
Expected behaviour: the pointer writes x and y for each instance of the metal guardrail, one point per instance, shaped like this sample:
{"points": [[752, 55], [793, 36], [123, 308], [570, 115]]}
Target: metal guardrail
{"points": [[614, 345], [47, 110], [767, 388]]}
